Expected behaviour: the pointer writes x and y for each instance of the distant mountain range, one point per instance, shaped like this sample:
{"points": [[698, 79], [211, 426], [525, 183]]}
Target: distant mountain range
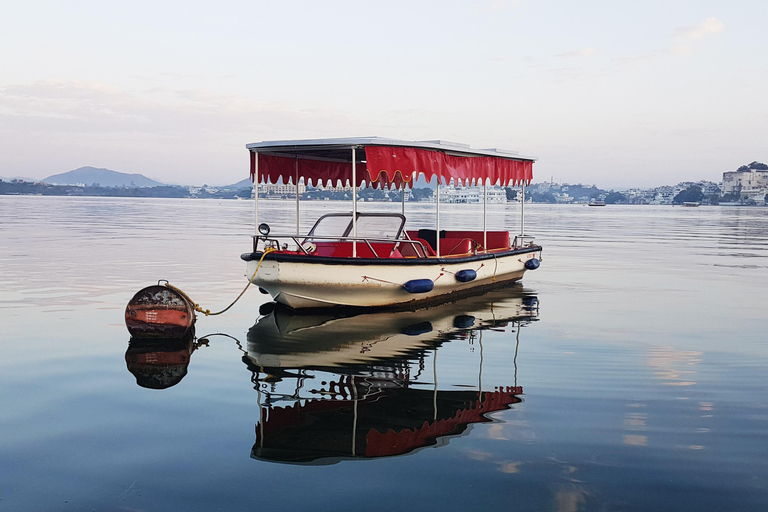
{"points": [[103, 177], [91, 176]]}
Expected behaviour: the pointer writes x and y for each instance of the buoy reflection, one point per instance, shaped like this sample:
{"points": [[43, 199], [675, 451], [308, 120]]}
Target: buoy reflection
{"points": [[159, 363]]}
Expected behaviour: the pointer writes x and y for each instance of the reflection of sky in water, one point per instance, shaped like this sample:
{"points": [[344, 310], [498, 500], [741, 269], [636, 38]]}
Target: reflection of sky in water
{"points": [[644, 377]]}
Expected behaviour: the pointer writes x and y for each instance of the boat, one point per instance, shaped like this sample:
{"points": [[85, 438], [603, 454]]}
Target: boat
{"points": [[354, 259], [691, 204], [596, 202]]}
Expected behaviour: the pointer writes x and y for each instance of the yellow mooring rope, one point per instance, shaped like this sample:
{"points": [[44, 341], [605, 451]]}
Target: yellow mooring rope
{"points": [[207, 312]]}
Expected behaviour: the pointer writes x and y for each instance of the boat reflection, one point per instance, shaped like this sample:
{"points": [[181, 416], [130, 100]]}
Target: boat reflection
{"points": [[333, 388]]}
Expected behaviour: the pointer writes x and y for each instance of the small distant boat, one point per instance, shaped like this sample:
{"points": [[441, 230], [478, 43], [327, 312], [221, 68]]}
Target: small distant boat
{"points": [[596, 202], [691, 204]]}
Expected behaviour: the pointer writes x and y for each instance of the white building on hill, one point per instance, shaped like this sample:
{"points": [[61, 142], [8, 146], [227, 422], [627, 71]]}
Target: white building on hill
{"points": [[747, 183]]}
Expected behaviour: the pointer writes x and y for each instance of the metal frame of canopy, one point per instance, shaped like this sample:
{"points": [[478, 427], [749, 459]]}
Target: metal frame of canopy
{"points": [[324, 160]]}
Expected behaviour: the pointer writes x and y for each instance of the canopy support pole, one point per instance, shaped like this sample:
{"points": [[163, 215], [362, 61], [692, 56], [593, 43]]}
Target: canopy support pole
{"points": [[297, 196], [437, 216], [256, 193], [485, 216], [522, 211], [354, 204], [402, 198]]}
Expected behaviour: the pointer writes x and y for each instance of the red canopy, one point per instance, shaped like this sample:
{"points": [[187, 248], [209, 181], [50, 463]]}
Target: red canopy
{"points": [[388, 166]]}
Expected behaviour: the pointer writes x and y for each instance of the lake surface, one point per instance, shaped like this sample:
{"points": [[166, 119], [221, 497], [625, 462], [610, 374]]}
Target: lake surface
{"points": [[628, 373]]}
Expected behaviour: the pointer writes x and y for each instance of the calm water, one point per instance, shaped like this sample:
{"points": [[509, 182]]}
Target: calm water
{"points": [[627, 373]]}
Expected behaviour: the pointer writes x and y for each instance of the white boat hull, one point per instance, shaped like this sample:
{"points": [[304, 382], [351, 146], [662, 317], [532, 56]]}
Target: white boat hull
{"points": [[328, 282]]}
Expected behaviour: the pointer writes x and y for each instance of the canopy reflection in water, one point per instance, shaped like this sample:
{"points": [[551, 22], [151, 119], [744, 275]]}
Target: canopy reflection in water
{"points": [[334, 388]]}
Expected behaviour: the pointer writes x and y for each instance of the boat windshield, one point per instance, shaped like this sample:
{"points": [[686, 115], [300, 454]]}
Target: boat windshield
{"points": [[331, 225], [369, 225]]}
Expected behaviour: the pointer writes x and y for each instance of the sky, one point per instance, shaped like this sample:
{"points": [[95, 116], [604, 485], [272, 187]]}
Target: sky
{"points": [[612, 93]]}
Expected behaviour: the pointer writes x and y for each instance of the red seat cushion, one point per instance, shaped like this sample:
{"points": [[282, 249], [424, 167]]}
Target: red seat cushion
{"points": [[450, 246], [496, 239]]}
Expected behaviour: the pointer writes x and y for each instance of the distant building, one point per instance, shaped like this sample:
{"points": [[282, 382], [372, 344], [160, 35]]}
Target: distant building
{"points": [[664, 194], [337, 188], [747, 184], [638, 195], [281, 189], [205, 189], [471, 195]]}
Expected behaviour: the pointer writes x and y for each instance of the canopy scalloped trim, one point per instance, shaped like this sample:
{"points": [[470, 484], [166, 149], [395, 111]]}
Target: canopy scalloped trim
{"points": [[393, 166]]}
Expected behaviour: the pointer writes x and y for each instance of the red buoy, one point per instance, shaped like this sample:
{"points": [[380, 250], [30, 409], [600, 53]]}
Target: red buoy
{"points": [[158, 311]]}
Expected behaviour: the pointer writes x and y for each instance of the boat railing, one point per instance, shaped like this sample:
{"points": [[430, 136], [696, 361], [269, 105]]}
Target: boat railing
{"points": [[307, 244], [523, 241]]}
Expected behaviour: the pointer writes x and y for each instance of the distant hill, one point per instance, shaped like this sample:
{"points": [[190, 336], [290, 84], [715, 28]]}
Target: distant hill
{"points": [[246, 183], [102, 177]]}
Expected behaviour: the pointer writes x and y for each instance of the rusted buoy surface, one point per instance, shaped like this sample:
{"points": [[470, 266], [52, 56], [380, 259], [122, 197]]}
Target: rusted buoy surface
{"points": [[158, 311]]}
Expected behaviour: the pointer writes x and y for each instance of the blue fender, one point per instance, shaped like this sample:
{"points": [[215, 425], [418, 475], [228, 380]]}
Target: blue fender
{"points": [[532, 264], [419, 286], [465, 276]]}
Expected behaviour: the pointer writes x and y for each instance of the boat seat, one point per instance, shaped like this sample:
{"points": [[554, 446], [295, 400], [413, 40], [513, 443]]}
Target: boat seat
{"points": [[449, 246], [496, 239], [414, 251], [429, 235]]}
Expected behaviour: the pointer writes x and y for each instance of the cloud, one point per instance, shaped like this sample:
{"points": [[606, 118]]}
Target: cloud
{"points": [[708, 26], [685, 43], [77, 106], [583, 52], [499, 5], [685, 36], [680, 49], [70, 101], [173, 134]]}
